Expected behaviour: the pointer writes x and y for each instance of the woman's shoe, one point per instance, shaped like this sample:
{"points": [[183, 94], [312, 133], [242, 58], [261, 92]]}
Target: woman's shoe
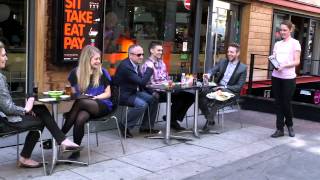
{"points": [[23, 165], [71, 148], [277, 134], [291, 131]]}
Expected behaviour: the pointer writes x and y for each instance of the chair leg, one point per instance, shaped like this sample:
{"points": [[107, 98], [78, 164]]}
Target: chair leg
{"points": [[222, 120], [42, 153], [187, 125], [18, 149], [97, 138], [121, 141], [239, 114], [126, 124], [88, 142], [149, 119], [157, 116]]}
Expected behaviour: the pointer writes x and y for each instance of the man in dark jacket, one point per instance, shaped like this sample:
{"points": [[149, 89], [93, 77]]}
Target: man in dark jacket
{"points": [[132, 84], [230, 75]]}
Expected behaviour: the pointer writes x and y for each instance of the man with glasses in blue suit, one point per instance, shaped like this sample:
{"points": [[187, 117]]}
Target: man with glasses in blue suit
{"points": [[132, 84]]}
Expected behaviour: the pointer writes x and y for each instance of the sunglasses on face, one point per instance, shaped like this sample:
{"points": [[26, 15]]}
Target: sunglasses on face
{"points": [[140, 54]]}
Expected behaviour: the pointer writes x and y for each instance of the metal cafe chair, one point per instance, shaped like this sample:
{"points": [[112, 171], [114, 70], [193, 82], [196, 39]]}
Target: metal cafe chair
{"points": [[222, 109], [105, 119], [6, 130]]}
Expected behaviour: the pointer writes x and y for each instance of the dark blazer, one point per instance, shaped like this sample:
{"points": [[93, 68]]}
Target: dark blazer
{"points": [[237, 79], [129, 80]]}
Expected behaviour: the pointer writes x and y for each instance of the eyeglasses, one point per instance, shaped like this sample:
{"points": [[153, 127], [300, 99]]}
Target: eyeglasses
{"points": [[140, 54]]}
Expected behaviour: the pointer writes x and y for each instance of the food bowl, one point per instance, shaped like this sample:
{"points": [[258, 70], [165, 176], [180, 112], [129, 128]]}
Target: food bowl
{"points": [[55, 94]]}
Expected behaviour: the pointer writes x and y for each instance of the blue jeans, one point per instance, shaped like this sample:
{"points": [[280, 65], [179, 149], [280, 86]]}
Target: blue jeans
{"points": [[141, 104]]}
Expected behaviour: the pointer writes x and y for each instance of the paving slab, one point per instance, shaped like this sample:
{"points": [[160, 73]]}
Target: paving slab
{"points": [[178, 172], [111, 169], [152, 160], [62, 175], [216, 143], [187, 152]]}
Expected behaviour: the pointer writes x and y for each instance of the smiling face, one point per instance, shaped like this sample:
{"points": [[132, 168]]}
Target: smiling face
{"points": [[232, 53], [285, 32], [156, 52], [3, 58], [95, 61]]}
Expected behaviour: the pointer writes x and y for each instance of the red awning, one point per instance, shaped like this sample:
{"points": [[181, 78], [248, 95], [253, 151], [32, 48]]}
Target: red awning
{"points": [[295, 5]]}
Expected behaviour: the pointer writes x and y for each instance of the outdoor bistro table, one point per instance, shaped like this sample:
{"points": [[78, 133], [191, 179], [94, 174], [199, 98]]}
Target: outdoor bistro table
{"points": [[169, 90], [54, 102]]}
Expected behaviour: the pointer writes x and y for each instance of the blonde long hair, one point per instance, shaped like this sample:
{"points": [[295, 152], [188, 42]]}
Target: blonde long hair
{"points": [[84, 69]]}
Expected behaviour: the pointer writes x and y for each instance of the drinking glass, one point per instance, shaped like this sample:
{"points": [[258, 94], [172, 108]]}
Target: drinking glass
{"points": [[67, 89]]}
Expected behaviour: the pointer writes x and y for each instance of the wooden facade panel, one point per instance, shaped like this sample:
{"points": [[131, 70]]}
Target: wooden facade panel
{"points": [[260, 29], [261, 9], [258, 35], [260, 16], [258, 42], [261, 23]]}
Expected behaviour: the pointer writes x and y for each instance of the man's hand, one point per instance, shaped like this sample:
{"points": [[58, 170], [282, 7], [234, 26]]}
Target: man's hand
{"points": [[206, 76], [150, 65]]}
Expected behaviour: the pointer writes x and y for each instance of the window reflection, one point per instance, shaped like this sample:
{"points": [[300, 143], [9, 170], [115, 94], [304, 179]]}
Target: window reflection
{"points": [[13, 35]]}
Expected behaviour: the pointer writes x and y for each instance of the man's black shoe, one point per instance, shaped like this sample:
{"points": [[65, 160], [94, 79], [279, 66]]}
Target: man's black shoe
{"points": [[211, 123], [152, 131], [206, 128], [277, 134], [176, 126], [291, 131], [74, 156], [128, 134]]}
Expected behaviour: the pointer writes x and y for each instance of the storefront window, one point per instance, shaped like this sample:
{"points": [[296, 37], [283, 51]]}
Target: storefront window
{"points": [[131, 21], [13, 35]]}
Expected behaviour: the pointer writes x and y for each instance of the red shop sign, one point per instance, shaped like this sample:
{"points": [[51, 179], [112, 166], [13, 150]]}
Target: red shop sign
{"points": [[187, 4]]}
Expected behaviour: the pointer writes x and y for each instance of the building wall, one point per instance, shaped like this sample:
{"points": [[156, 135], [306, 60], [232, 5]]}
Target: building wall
{"points": [[48, 75], [259, 37]]}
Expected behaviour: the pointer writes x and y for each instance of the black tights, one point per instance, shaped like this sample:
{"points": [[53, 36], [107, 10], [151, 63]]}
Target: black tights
{"points": [[79, 114]]}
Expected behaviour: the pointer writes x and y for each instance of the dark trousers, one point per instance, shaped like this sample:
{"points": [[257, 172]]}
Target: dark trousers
{"points": [[180, 103], [42, 119], [283, 90]]}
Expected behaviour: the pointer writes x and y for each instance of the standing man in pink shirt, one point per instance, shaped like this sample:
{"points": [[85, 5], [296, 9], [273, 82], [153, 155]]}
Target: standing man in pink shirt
{"points": [[287, 53]]}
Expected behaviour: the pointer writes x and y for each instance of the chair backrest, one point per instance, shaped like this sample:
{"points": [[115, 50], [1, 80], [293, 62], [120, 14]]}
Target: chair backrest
{"points": [[115, 96], [5, 129]]}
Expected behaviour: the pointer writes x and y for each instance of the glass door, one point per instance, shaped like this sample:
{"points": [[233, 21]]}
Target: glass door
{"points": [[314, 47], [13, 32], [223, 27]]}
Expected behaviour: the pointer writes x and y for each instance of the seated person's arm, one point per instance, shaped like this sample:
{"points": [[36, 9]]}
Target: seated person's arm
{"points": [[7, 106], [133, 77], [106, 94], [214, 70]]}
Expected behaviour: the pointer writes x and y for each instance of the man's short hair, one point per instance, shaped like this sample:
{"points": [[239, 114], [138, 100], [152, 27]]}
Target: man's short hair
{"points": [[132, 47], [235, 45], [154, 44]]}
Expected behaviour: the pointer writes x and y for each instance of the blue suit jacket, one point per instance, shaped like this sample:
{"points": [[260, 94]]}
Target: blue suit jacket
{"points": [[128, 80]]}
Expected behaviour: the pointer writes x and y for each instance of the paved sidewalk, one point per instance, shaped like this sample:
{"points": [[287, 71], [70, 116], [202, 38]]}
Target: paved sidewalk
{"points": [[238, 153]]}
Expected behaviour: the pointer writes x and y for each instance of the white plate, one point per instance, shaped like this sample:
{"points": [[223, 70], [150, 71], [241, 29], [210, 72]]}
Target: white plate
{"points": [[45, 93], [211, 95], [222, 97], [64, 96], [47, 99]]}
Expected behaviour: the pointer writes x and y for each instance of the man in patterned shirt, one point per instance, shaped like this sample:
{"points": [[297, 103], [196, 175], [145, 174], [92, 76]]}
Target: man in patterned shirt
{"points": [[179, 107]]}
